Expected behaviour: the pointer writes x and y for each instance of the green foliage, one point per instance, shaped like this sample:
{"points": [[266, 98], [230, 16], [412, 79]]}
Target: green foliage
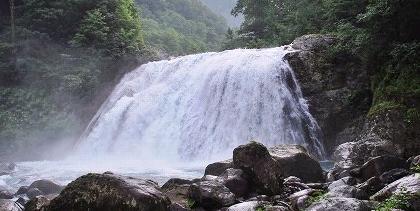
{"points": [[315, 197], [191, 204], [396, 201], [382, 107], [181, 27], [416, 168]]}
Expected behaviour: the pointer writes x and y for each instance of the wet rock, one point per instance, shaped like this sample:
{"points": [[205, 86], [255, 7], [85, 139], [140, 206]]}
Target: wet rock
{"points": [[4, 194], [292, 179], [46, 187], [218, 168], [337, 204], [110, 192], [33, 192], [236, 181], [22, 190], [393, 175], [39, 203], [376, 166], [371, 186], [9, 205], [176, 190], [259, 198], [312, 42], [409, 184], [211, 194]]}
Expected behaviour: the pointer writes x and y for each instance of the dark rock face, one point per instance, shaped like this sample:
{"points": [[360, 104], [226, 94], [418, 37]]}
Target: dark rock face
{"points": [[218, 168], [46, 187], [336, 204], [371, 186], [393, 175], [337, 89], [211, 194], [38, 203], [376, 166], [33, 192], [267, 168], [110, 192], [255, 160]]}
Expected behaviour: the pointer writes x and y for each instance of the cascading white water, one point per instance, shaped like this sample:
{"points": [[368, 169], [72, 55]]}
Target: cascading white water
{"points": [[201, 107]]}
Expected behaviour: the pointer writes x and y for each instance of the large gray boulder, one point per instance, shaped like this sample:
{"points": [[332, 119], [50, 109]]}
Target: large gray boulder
{"points": [[39, 203], [341, 204], [218, 168], [236, 181], [409, 185], [110, 192], [376, 166], [46, 187], [211, 194], [267, 167]]}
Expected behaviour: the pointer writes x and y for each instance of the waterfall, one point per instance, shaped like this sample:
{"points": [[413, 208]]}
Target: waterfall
{"points": [[202, 107]]}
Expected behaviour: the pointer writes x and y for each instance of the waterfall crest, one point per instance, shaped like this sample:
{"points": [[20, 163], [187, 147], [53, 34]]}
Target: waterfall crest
{"points": [[201, 107]]}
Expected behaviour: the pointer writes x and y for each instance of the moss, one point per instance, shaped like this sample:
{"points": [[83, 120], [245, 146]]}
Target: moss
{"points": [[412, 115], [315, 197], [191, 203], [382, 107]]}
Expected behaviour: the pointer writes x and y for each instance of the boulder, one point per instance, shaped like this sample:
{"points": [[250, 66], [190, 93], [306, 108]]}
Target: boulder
{"points": [[346, 191], [22, 190], [218, 168], [267, 168], [343, 181], [414, 161], [341, 204], [9, 205], [376, 166], [393, 175], [4, 194], [371, 186], [265, 172], [39, 203], [248, 206], [46, 186], [409, 184], [175, 182], [299, 200], [236, 181], [211, 194], [110, 192], [177, 189], [33, 192]]}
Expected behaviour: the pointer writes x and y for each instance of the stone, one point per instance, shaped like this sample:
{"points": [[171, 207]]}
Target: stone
{"points": [[248, 206], [371, 186], [22, 190], [346, 191], [9, 205], [312, 42], [414, 161], [110, 192], [236, 181], [4, 194], [39, 203], [177, 207], [265, 172], [33, 192], [343, 181], [175, 182], [267, 168], [292, 179], [46, 186], [393, 175], [299, 199], [341, 204], [376, 166], [218, 168], [409, 184], [211, 194]]}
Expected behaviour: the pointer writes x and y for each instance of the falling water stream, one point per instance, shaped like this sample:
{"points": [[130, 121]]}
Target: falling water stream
{"points": [[171, 117]]}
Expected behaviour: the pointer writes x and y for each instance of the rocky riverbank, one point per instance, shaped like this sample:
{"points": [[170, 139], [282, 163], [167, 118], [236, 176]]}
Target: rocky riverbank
{"points": [[284, 178]]}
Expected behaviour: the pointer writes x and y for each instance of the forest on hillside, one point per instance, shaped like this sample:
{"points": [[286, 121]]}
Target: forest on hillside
{"points": [[60, 59]]}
